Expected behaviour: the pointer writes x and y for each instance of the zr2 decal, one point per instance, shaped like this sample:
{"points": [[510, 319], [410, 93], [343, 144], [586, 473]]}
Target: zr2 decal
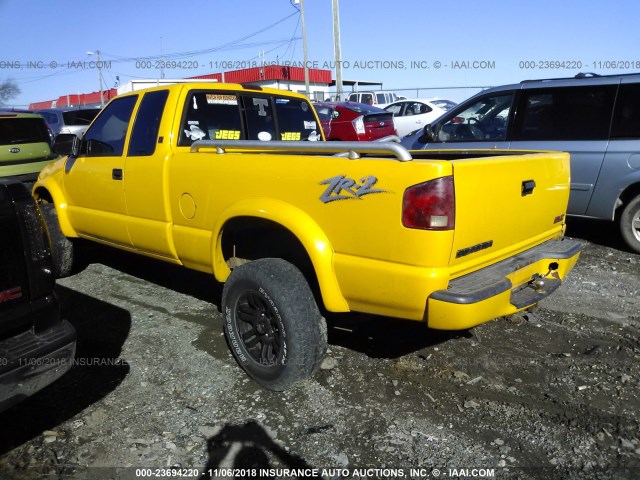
{"points": [[344, 188]]}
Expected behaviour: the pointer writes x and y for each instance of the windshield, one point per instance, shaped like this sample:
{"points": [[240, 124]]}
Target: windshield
{"points": [[80, 117]]}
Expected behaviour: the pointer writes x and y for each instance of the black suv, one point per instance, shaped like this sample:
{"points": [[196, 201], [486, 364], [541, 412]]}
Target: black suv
{"points": [[36, 345]]}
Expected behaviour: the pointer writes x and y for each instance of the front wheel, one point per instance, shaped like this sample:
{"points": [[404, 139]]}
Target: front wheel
{"points": [[630, 224], [272, 323], [62, 249]]}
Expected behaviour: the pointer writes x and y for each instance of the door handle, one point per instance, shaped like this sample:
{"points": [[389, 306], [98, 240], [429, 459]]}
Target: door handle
{"points": [[116, 174], [527, 187]]}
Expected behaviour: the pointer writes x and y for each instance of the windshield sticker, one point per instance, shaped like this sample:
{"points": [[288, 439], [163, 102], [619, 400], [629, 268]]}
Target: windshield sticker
{"points": [[195, 103], [227, 135], [195, 133], [290, 136], [314, 137], [264, 136], [282, 100], [345, 188], [310, 125], [304, 106], [261, 103], [214, 98]]}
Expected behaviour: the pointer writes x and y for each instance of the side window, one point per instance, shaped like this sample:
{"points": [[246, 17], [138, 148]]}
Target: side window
{"points": [[259, 117], [144, 136], [484, 120], [210, 115], [626, 117], [366, 98], [296, 120], [380, 98], [417, 108], [565, 113], [107, 134], [395, 109]]}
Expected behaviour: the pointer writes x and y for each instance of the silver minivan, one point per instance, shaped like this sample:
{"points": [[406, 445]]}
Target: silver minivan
{"points": [[594, 118]]}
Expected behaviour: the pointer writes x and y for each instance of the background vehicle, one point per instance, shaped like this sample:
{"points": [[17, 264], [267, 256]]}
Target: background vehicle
{"points": [[378, 98], [412, 114], [354, 121], [69, 119], [36, 345], [594, 118], [24, 145]]}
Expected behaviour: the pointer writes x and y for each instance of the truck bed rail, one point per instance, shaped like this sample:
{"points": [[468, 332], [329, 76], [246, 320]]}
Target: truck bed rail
{"points": [[352, 150]]}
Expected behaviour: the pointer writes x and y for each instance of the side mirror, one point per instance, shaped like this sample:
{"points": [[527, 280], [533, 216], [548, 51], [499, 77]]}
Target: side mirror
{"points": [[427, 135], [66, 144]]}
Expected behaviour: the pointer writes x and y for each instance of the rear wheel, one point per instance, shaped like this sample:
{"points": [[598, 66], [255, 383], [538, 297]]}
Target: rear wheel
{"points": [[272, 323], [62, 249], [630, 224]]}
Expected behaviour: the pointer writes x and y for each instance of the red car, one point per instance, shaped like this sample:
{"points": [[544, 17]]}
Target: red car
{"points": [[354, 121]]}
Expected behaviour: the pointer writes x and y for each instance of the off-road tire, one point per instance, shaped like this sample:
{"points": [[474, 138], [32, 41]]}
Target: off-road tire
{"points": [[62, 249], [630, 224], [272, 323]]}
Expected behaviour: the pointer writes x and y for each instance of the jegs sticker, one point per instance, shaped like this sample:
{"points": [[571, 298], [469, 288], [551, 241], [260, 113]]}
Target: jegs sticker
{"points": [[342, 187], [227, 135], [290, 135]]}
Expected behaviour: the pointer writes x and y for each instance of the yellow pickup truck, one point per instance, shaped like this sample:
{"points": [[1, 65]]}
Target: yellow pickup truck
{"points": [[237, 181]]}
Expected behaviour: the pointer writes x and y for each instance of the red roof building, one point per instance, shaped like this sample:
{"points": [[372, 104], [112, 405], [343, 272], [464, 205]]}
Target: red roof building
{"points": [[275, 76]]}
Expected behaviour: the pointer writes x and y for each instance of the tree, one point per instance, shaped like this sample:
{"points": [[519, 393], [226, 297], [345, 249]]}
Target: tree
{"points": [[8, 90]]}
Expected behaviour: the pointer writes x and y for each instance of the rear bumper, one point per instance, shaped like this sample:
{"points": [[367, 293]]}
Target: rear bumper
{"points": [[31, 361], [504, 288]]}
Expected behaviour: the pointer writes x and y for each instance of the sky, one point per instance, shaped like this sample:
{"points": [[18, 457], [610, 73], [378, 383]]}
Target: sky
{"points": [[413, 47]]}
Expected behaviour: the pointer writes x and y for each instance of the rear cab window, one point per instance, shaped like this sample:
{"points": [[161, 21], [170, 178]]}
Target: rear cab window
{"points": [[144, 136], [16, 130], [223, 115]]}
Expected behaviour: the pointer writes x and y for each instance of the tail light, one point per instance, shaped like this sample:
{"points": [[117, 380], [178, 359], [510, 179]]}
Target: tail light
{"points": [[358, 124], [430, 205]]}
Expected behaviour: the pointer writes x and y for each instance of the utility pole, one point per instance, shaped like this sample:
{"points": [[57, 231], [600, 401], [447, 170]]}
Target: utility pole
{"points": [[304, 48], [161, 59], [99, 65], [336, 49]]}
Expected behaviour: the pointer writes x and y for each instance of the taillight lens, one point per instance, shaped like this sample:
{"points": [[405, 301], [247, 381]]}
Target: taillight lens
{"points": [[430, 205], [358, 124]]}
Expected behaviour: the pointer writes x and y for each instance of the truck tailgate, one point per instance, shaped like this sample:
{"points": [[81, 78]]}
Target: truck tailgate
{"points": [[506, 204]]}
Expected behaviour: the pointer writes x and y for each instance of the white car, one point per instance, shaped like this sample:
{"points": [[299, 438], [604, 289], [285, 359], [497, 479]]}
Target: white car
{"points": [[412, 114]]}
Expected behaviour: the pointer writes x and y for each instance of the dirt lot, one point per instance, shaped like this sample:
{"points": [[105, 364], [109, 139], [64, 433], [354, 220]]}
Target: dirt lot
{"points": [[553, 394]]}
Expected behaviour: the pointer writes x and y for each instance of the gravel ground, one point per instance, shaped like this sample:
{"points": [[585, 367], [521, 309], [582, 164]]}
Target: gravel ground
{"points": [[550, 394]]}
